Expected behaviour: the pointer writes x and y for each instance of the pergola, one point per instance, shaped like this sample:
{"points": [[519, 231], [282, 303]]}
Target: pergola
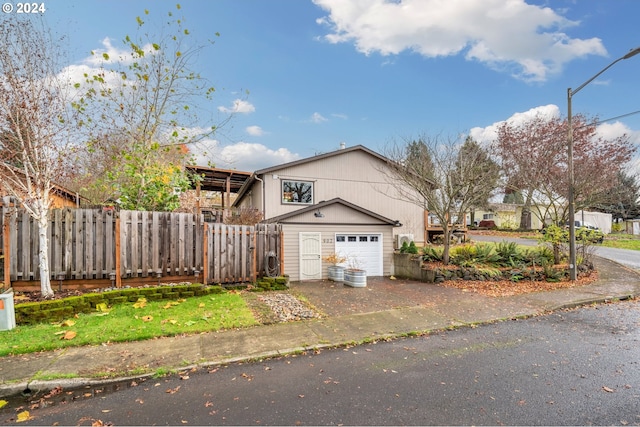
{"points": [[224, 181]]}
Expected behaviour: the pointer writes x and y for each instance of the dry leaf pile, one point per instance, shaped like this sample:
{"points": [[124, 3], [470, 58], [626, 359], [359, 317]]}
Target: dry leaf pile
{"points": [[503, 288]]}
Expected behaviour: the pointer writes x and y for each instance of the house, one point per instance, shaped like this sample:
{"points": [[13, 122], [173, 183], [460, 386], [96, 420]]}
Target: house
{"points": [[507, 215], [61, 197], [338, 201]]}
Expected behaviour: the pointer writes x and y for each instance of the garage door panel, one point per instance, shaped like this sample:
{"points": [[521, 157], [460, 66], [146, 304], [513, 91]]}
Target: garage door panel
{"points": [[364, 250]]}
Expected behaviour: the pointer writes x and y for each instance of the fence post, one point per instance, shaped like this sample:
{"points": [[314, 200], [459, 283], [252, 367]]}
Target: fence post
{"points": [[281, 250], [6, 249], [254, 268], [118, 255], [205, 254]]}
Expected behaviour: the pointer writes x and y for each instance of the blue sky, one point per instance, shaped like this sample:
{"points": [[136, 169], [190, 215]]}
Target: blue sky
{"points": [[321, 72]]}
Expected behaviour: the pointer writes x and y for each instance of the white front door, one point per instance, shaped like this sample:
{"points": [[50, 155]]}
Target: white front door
{"points": [[310, 256]]}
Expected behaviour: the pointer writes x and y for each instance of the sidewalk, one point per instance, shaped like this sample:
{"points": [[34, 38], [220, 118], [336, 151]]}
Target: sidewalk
{"points": [[384, 309]]}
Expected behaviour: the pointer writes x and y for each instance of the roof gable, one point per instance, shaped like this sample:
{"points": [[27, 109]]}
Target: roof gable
{"points": [[322, 156], [255, 176], [336, 202]]}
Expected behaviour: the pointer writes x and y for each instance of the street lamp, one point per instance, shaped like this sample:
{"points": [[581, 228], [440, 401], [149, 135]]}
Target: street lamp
{"points": [[572, 213]]}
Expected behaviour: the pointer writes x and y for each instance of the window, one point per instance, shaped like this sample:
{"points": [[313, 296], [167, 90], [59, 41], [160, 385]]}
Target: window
{"points": [[297, 192], [487, 216]]}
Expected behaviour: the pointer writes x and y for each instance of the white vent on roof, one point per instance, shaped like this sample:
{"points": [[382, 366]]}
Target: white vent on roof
{"points": [[401, 238]]}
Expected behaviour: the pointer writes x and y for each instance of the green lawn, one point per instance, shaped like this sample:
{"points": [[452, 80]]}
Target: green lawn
{"points": [[622, 241], [132, 322]]}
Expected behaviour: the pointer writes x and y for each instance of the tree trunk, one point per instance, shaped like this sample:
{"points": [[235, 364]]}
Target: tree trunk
{"points": [[447, 244], [525, 217], [45, 276]]}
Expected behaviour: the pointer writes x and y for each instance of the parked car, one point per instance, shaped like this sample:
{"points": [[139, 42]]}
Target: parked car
{"points": [[580, 224]]}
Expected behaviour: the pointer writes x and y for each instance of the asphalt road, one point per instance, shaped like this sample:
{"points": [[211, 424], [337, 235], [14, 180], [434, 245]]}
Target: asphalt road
{"points": [[572, 367], [625, 257]]}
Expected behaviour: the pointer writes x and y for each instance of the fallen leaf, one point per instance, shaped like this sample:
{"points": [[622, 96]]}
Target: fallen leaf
{"points": [[170, 304], [68, 335], [55, 391], [173, 390], [141, 303], [3, 403], [189, 323], [147, 318], [102, 307], [23, 416], [201, 305], [607, 389], [208, 404], [68, 323]]}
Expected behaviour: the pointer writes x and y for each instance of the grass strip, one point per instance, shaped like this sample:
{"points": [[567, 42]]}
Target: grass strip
{"points": [[134, 321]]}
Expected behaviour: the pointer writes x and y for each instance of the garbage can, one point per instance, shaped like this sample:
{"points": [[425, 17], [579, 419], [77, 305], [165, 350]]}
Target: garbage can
{"points": [[7, 311]]}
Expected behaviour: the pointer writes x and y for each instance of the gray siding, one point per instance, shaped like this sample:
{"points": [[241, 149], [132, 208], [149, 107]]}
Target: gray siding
{"points": [[291, 234], [354, 176]]}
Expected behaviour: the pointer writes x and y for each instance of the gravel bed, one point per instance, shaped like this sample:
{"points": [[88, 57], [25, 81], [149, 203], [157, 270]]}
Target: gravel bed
{"points": [[287, 307]]}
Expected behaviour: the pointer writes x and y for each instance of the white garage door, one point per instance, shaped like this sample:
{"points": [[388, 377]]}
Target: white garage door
{"points": [[364, 249]]}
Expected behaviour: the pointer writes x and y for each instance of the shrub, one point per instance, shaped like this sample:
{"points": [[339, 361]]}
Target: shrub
{"points": [[552, 274], [588, 235], [430, 253], [409, 248], [490, 273], [542, 255], [463, 255], [469, 255], [509, 254], [485, 254]]}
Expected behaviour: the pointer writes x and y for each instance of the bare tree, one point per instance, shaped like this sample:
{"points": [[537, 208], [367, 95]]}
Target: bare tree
{"points": [[439, 176], [33, 125]]}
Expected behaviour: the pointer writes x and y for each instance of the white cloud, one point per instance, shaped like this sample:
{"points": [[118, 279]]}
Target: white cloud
{"points": [[490, 133], [254, 130], [108, 67], [318, 118], [114, 54], [509, 35], [607, 131], [239, 106], [616, 129], [242, 156]]}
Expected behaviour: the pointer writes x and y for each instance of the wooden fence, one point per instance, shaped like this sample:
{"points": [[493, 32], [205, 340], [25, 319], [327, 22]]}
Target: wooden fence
{"points": [[133, 246]]}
